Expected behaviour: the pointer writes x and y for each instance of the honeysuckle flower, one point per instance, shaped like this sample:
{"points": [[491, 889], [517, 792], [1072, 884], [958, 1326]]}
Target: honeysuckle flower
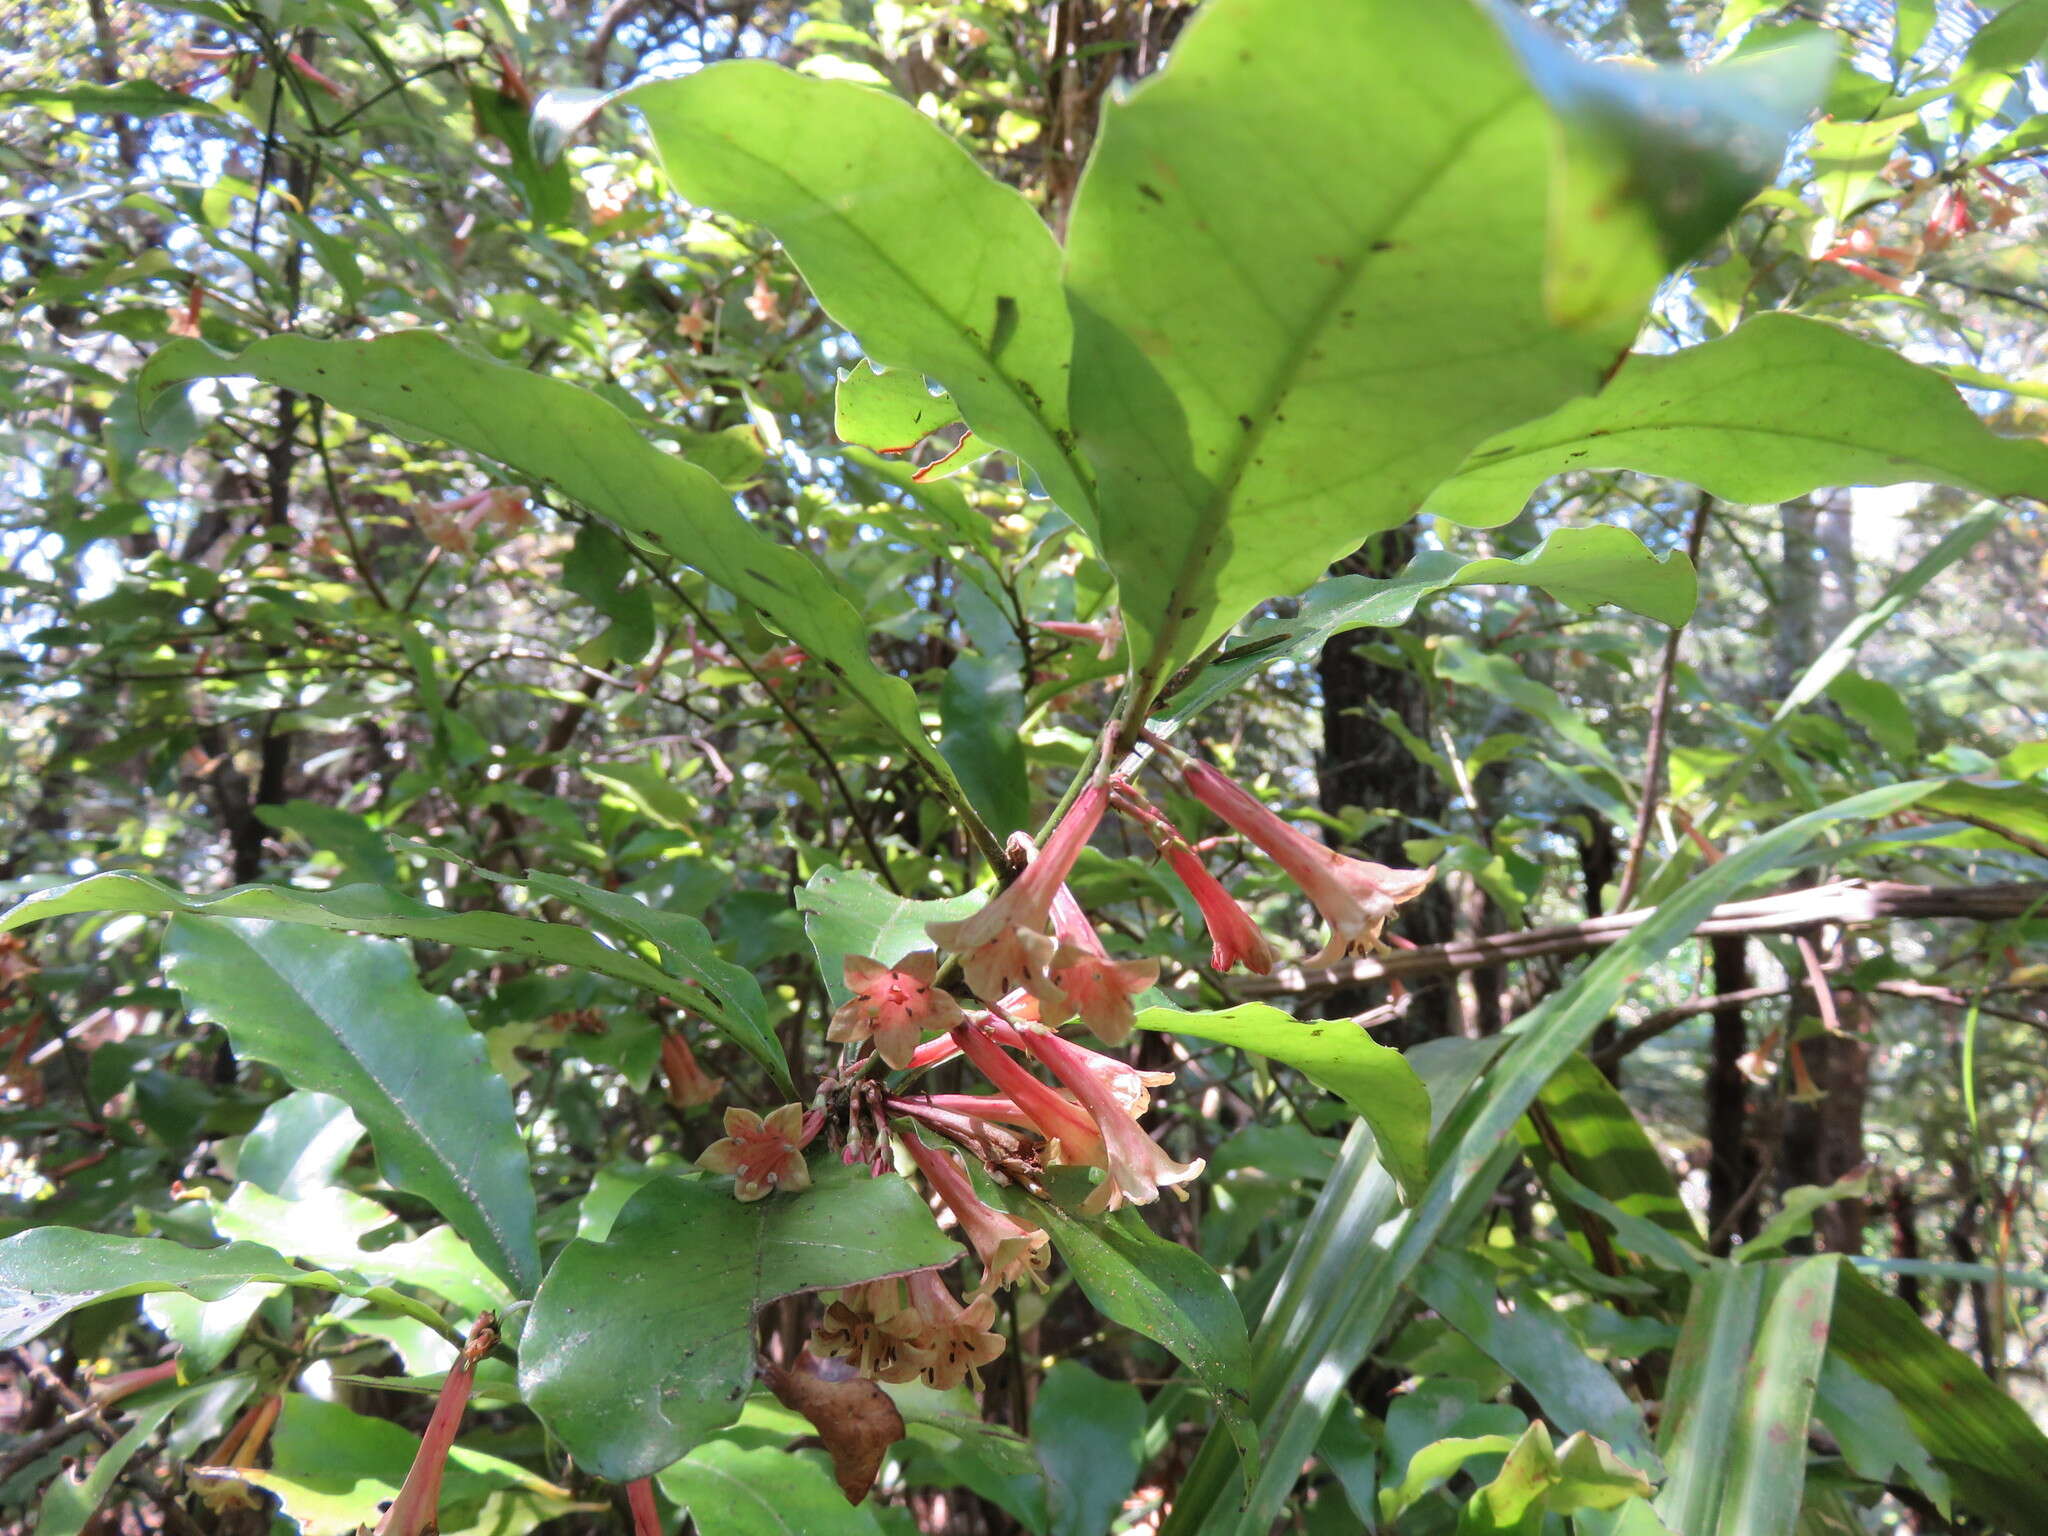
{"points": [[1071, 1136], [1128, 1083], [762, 1154], [417, 1509], [869, 1326], [1009, 1250], [1355, 896], [1091, 984], [688, 1083], [958, 1338], [1138, 1166], [893, 1005], [1004, 946], [1234, 939]]}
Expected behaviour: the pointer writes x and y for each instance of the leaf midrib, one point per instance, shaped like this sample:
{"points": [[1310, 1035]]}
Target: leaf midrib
{"points": [[1211, 514], [968, 338], [501, 1240]]}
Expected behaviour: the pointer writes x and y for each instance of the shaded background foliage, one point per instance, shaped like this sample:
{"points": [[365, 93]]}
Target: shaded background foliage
{"points": [[260, 639]]}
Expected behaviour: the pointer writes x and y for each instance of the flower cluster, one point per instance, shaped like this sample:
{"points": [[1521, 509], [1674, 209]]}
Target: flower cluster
{"points": [[1034, 961]]}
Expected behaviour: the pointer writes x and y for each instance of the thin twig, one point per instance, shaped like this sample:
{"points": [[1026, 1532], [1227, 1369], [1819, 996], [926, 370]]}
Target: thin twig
{"points": [[1658, 746]]}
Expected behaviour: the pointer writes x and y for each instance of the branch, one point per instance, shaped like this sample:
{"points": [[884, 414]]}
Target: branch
{"points": [[1846, 902]]}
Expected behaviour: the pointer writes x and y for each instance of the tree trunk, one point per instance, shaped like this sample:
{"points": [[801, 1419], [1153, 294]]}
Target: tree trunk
{"points": [[1731, 1162], [1364, 764]]}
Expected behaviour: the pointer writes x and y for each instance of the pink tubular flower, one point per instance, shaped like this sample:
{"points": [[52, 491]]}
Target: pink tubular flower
{"points": [[1008, 1249], [417, 1509], [688, 1083], [1004, 946], [1233, 937], [1125, 1081], [1138, 1166], [1071, 1135], [893, 1005], [640, 1500], [1096, 987], [762, 1154], [1355, 896], [870, 1328]]}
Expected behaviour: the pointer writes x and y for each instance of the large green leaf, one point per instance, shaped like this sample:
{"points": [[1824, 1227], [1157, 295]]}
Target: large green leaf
{"points": [[1582, 1126], [1536, 1347], [47, 1273], [1308, 271], [345, 1015], [1698, 1429], [934, 264], [1089, 1436], [426, 388], [373, 909], [1133, 1276], [847, 912], [640, 1346], [1782, 406], [1580, 567], [1995, 1455], [729, 1491], [71, 1500], [1336, 1055], [1356, 1251], [1766, 1470]]}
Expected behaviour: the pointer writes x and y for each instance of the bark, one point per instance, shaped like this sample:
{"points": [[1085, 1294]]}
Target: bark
{"points": [[1731, 1161], [1364, 764]]}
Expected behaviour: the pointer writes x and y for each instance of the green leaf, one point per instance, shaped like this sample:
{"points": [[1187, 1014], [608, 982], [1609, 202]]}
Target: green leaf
{"points": [[1781, 407], [1329, 1313], [1697, 1434], [47, 1273], [685, 947], [1766, 1474], [1875, 1435], [425, 388], [344, 1015], [1877, 707], [1580, 567], [1335, 1054], [1434, 1465], [889, 412], [981, 711], [641, 1346], [728, 1491], [1794, 1218], [1993, 1452], [334, 1469], [2003, 47], [848, 912], [1650, 164], [1089, 1434], [70, 1502], [329, 1228], [1537, 1479], [136, 98], [1299, 303], [372, 909], [935, 265], [1581, 1127], [1533, 1345], [363, 854], [1133, 1276], [299, 1145]]}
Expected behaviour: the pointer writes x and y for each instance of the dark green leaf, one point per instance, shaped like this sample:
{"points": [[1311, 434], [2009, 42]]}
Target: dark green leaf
{"points": [[1090, 1438], [345, 1015], [639, 1347]]}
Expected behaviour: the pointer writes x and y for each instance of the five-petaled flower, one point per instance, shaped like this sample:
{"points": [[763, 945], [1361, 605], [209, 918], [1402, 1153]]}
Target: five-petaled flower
{"points": [[870, 1327], [893, 1005], [958, 1339], [1009, 1249], [1091, 984], [1355, 896], [1138, 1166], [762, 1154], [1004, 946]]}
